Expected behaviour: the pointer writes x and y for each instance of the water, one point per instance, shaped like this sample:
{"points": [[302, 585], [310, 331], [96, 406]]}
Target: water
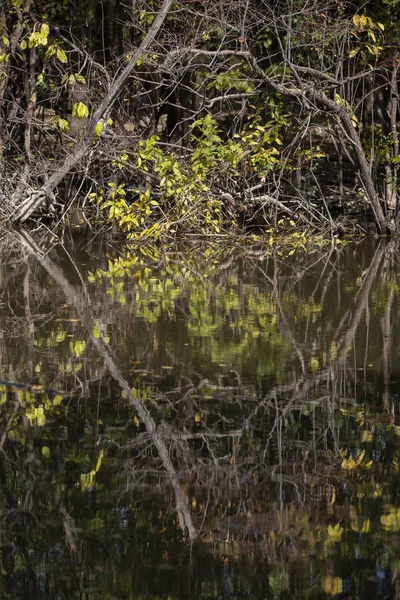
{"points": [[215, 423]]}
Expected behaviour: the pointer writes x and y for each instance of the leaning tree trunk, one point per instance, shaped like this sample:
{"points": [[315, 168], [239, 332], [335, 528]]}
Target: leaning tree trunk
{"points": [[37, 197]]}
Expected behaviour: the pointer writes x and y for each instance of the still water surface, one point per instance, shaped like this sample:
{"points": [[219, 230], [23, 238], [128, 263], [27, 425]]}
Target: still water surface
{"points": [[216, 423]]}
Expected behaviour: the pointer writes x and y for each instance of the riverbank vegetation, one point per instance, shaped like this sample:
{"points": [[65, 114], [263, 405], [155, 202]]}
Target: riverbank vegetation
{"points": [[163, 118]]}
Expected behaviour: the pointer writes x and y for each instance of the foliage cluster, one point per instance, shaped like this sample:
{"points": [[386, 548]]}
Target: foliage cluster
{"points": [[187, 118]]}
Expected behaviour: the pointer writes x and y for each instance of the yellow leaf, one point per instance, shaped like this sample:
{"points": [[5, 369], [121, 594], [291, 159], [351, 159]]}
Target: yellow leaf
{"points": [[335, 532], [45, 30], [360, 458], [80, 110], [366, 436], [80, 347], [390, 522], [99, 461], [366, 526], [62, 57], [333, 586], [99, 128]]}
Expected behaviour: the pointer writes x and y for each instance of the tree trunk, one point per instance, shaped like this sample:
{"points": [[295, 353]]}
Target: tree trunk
{"points": [[31, 94], [392, 199], [36, 198], [307, 94], [14, 40]]}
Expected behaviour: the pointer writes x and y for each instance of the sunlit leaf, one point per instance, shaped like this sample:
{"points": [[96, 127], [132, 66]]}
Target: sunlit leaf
{"points": [[62, 57], [335, 532], [45, 29], [363, 527], [333, 586], [390, 522]]}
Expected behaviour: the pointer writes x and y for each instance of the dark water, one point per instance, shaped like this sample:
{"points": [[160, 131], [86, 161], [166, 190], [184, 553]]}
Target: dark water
{"points": [[215, 423]]}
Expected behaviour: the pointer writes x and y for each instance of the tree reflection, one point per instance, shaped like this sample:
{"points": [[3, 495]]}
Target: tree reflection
{"points": [[270, 440]]}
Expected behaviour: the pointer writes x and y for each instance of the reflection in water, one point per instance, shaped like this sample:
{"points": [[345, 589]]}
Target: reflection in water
{"points": [[183, 428]]}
